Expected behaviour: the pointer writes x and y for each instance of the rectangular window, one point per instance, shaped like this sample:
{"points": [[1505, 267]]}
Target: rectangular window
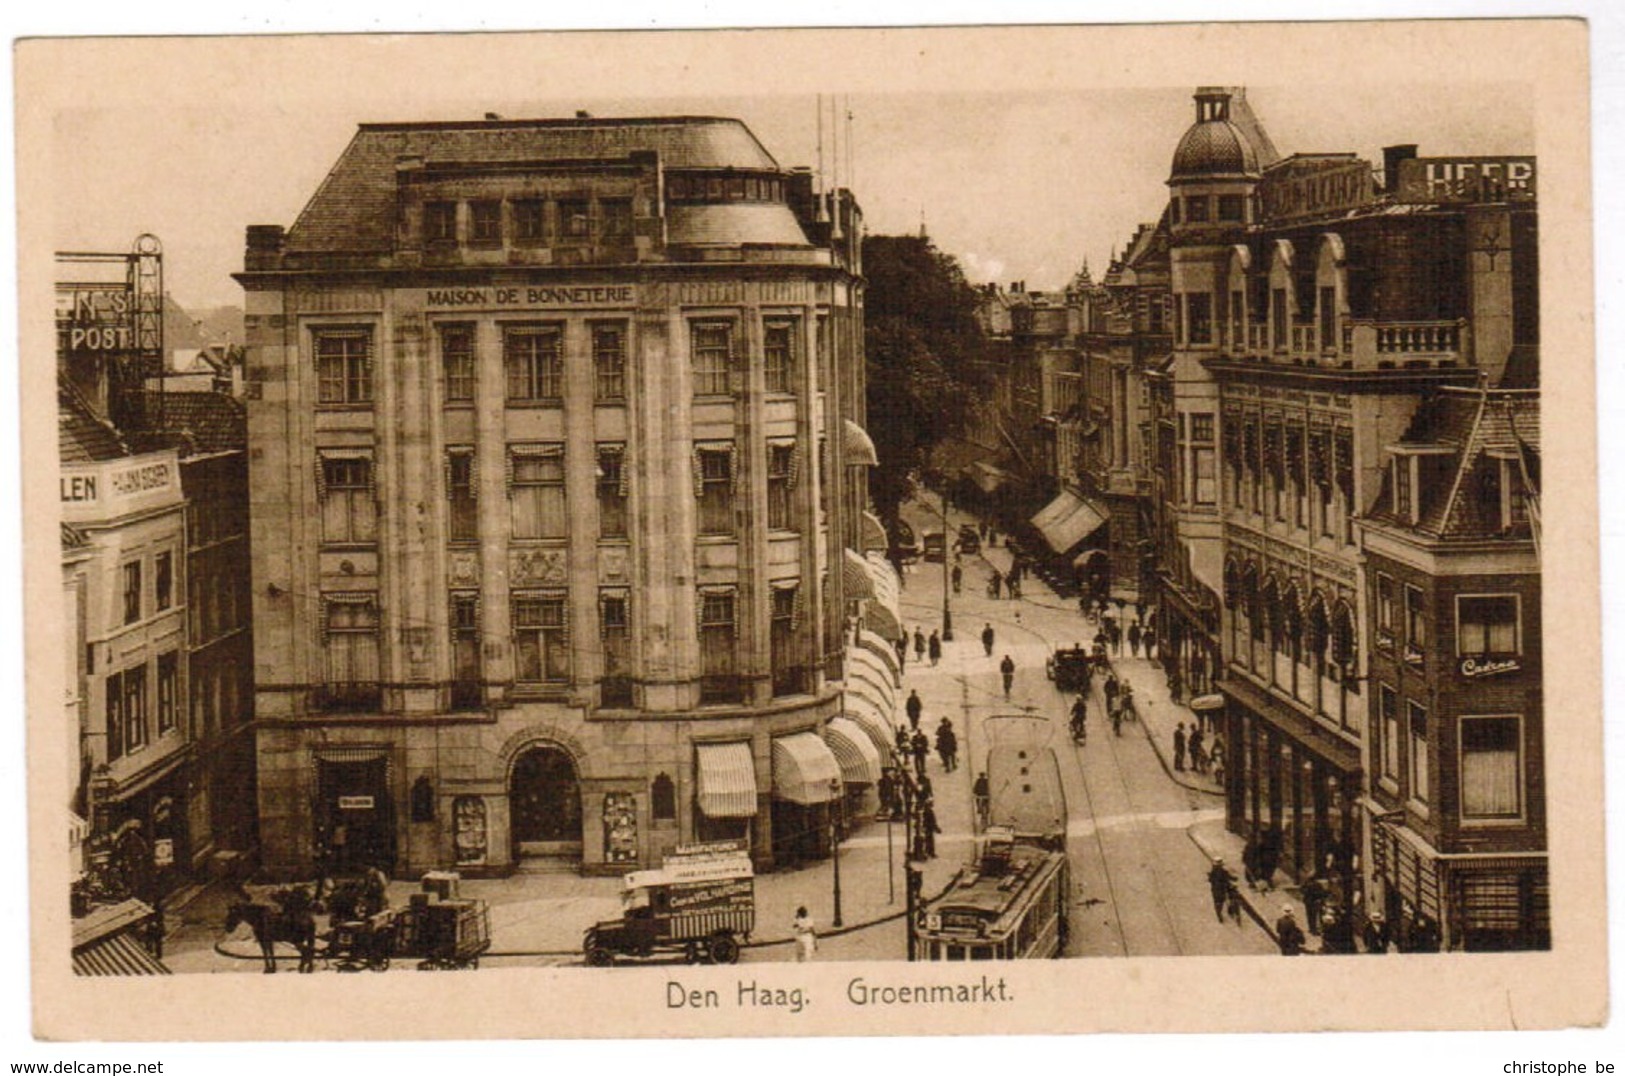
{"points": [[113, 715], [1487, 625], [1388, 699], [609, 361], [778, 351], [1205, 486], [457, 361], [1328, 318], [1418, 760], [465, 651], [611, 491], [1385, 604], [1491, 767], [716, 490], [163, 580], [132, 591], [1238, 324], [1196, 210], [617, 218], [574, 218], [351, 653], [349, 508], [780, 459], [789, 675], [343, 366], [1232, 208], [541, 639], [712, 348], [485, 221], [537, 492], [440, 222], [1416, 625], [1281, 333], [616, 624], [530, 219], [1404, 495], [169, 679], [462, 500], [533, 357], [718, 679], [135, 707], [1200, 317], [1202, 427]]}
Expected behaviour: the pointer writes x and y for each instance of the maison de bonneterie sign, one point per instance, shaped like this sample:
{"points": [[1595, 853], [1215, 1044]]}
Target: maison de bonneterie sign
{"points": [[527, 296]]}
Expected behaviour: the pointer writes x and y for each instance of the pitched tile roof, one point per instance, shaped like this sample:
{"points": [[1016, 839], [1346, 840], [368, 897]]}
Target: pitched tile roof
{"points": [[205, 422], [82, 437], [354, 208]]}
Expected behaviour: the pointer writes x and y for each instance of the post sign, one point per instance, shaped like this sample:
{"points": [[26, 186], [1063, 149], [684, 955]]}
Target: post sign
{"points": [[1434, 180], [95, 317]]}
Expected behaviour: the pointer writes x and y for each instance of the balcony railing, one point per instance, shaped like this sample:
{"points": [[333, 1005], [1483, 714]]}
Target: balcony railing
{"points": [[355, 696], [1405, 344]]}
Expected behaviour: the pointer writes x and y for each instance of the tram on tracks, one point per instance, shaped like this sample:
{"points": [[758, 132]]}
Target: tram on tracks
{"points": [[1010, 901]]}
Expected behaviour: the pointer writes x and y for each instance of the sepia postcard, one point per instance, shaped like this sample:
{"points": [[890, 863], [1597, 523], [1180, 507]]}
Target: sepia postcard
{"points": [[811, 532]]}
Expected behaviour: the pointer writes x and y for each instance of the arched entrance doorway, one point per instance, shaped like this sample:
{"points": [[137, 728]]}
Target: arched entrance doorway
{"points": [[544, 797]]}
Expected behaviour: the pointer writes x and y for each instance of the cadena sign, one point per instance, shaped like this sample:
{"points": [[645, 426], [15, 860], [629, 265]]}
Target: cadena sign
{"points": [[1477, 667]]}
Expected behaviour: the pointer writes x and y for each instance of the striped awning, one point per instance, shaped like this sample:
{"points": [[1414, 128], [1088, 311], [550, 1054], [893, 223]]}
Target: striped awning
{"points": [[883, 738], [854, 750], [120, 954], [727, 780], [888, 588], [857, 449], [855, 578], [804, 770], [1068, 520], [871, 643], [864, 667], [874, 533]]}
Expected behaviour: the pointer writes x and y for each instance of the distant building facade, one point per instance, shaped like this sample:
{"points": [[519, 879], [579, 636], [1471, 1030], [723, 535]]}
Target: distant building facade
{"points": [[558, 476]]}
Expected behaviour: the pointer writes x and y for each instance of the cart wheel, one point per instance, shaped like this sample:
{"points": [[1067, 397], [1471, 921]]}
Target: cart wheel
{"points": [[691, 953], [724, 949], [599, 957]]}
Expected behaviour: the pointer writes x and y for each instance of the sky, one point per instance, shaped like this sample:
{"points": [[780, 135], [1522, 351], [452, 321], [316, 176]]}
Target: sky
{"points": [[1017, 186]]}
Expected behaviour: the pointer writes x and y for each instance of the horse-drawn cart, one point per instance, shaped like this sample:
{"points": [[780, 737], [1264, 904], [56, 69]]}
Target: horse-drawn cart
{"points": [[357, 944]]}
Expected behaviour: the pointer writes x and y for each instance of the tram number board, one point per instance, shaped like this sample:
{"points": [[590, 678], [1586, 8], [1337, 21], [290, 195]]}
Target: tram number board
{"points": [[961, 922]]}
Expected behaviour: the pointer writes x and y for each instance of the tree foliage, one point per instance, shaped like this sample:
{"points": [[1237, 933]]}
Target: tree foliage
{"points": [[922, 341]]}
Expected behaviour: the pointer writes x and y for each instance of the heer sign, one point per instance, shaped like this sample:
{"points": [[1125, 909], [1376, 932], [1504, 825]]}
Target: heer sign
{"points": [[1434, 180]]}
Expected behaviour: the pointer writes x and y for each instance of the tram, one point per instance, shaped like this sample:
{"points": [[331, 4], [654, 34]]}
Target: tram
{"points": [[1010, 902]]}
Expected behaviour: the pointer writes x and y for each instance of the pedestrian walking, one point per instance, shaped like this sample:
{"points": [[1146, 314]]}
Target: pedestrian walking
{"points": [[1314, 893], [1216, 761], [929, 828], [1134, 639], [902, 652], [919, 644], [1374, 935], [1220, 882], [979, 796], [1116, 634], [1148, 639], [1179, 746], [903, 745], [1110, 688], [956, 576], [987, 639], [1288, 935], [887, 789], [920, 747], [1080, 720], [1012, 585], [1336, 933], [993, 584], [1114, 710], [922, 787], [1007, 669], [913, 707], [945, 735], [806, 935], [1197, 752], [934, 648]]}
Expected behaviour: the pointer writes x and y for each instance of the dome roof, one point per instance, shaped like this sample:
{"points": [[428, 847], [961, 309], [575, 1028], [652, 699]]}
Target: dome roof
{"points": [[1213, 148]]}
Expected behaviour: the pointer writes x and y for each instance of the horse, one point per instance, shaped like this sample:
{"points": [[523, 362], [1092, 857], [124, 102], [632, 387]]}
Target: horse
{"points": [[287, 921]]}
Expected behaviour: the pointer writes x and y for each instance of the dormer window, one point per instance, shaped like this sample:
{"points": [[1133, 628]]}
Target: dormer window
{"points": [[1196, 209], [1419, 472], [1232, 208]]}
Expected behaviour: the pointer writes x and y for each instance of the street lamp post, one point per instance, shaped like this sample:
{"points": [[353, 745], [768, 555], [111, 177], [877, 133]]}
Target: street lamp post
{"points": [[947, 544], [835, 847]]}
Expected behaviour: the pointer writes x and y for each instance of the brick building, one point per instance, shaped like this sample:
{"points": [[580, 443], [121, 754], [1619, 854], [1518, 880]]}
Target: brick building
{"points": [[557, 465]]}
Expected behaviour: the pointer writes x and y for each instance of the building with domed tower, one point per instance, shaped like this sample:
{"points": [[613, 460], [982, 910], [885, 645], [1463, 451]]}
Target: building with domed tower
{"points": [[1320, 304], [557, 465]]}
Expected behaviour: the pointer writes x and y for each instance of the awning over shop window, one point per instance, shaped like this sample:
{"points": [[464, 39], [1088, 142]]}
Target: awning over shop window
{"points": [[883, 615], [120, 954], [872, 644], [727, 780], [988, 478], [1068, 520], [854, 750], [863, 715], [882, 621], [863, 667], [855, 578], [804, 770], [857, 450], [874, 534], [887, 589]]}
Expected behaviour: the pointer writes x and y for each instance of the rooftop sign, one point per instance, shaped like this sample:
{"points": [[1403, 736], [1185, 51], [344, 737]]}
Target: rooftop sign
{"points": [[1466, 179]]}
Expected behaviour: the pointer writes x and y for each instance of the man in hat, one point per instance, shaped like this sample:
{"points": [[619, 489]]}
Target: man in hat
{"points": [[1288, 935], [1179, 746], [913, 707], [987, 639]]}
